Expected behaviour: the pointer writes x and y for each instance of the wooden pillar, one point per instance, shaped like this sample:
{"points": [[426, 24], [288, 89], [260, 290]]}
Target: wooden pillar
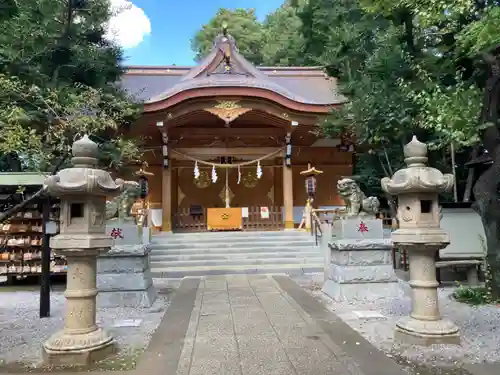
{"points": [[288, 195], [166, 200]]}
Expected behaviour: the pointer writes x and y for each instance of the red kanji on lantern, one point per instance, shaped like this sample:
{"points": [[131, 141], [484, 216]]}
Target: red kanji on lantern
{"points": [[116, 233], [362, 228]]}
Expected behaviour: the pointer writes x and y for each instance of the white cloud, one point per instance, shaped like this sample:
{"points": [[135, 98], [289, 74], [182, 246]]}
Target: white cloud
{"points": [[129, 24]]}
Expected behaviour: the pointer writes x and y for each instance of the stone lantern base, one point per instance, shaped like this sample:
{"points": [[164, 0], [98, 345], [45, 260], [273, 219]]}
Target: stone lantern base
{"points": [[410, 331], [78, 349]]}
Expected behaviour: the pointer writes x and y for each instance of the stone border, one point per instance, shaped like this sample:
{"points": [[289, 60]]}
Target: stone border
{"points": [[164, 350], [369, 359], [483, 368]]}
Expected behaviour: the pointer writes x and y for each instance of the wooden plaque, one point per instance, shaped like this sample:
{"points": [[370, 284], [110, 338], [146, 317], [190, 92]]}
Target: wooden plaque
{"points": [[224, 218]]}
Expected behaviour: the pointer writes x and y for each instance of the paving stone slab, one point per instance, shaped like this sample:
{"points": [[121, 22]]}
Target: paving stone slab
{"points": [[264, 367], [265, 326]]}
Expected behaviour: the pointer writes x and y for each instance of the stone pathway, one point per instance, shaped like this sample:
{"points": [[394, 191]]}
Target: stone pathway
{"points": [[250, 325]]}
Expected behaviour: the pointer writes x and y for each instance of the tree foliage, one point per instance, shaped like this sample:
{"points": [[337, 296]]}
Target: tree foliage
{"points": [[243, 26], [57, 75], [278, 41], [283, 41]]}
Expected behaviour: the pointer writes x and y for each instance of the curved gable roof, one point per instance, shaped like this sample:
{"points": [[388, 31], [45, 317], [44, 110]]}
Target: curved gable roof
{"points": [[225, 67]]}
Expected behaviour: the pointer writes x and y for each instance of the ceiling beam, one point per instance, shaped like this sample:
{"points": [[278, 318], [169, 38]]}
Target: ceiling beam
{"points": [[213, 152], [226, 132]]}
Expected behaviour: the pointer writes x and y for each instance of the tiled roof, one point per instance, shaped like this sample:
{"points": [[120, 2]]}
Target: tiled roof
{"points": [[226, 67]]}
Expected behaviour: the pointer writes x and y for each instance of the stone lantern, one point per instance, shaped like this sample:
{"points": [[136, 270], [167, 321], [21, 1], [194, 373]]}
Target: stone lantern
{"points": [[417, 188], [82, 190]]}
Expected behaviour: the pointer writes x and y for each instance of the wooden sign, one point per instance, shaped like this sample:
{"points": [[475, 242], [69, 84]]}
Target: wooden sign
{"points": [[264, 213], [224, 218]]}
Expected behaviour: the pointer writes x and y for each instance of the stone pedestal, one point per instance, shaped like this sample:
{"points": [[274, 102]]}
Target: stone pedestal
{"points": [[424, 326], [124, 277], [124, 273], [360, 262], [81, 342]]}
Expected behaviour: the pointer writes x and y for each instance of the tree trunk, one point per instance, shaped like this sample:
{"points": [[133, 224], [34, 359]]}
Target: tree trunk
{"points": [[470, 176], [487, 187]]}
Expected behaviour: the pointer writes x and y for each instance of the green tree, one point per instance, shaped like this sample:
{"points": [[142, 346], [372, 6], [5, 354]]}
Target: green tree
{"points": [[384, 61], [243, 27], [57, 82], [56, 68], [283, 41], [470, 31], [365, 52]]}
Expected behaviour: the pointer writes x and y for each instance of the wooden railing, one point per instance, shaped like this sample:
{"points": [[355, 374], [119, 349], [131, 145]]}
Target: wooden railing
{"points": [[183, 221], [255, 222]]}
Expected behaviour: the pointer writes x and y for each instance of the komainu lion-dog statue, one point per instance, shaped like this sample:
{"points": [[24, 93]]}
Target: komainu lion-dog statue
{"points": [[357, 203]]}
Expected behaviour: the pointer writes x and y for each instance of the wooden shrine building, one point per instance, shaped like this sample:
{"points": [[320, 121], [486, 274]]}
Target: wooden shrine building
{"points": [[227, 134]]}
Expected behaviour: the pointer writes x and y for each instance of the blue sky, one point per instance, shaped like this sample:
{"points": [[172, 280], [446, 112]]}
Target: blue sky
{"points": [[174, 23]]}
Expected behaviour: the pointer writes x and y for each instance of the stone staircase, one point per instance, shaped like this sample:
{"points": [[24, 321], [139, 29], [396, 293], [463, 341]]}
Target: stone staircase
{"points": [[174, 256]]}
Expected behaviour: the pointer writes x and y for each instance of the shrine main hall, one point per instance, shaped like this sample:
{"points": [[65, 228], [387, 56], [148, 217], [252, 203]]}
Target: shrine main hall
{"points": [[226, 138]]}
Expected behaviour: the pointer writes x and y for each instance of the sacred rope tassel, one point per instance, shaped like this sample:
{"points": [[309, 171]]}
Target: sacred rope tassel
{"points": [[196, 171], [239, 174], [259, 170], [214, 174]]}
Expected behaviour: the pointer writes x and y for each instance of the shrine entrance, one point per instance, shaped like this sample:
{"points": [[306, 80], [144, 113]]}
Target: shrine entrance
{"points": [[226, 141], [229, 192]]}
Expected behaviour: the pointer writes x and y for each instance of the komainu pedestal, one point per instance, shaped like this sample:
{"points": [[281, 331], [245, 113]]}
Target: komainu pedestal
{"points": [[124, 273], [360, 261]]}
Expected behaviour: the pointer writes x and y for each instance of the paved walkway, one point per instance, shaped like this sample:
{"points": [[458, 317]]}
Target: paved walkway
{"points": [[250, 325]]}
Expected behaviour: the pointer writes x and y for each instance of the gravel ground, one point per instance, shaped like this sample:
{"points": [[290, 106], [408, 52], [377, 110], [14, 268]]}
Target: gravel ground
{"points": [[23, 332], [479, 328]]}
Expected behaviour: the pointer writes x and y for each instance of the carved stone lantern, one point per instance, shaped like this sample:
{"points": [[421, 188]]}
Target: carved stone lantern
{"points": [[417, 188], [82, 190]]}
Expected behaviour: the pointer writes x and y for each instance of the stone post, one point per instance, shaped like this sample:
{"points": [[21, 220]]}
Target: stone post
{"points": [[82, 190], [326, 238], [417, 188]]}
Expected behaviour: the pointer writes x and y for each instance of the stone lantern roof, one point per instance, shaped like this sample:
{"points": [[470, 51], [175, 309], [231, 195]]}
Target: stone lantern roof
{"points": [[417, 177], [84, 177]]}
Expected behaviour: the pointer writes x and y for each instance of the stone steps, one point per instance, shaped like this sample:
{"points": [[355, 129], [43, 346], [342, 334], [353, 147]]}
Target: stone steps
{"points": [[246, 234], [201, 254], [285, 269], [229, 244], [215, 255], [250, 249], [237, 262]]}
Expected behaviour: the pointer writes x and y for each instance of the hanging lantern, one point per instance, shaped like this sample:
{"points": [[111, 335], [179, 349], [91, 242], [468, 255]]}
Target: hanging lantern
{"points": [[143, 181], [311, 182], [144, 186]]}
